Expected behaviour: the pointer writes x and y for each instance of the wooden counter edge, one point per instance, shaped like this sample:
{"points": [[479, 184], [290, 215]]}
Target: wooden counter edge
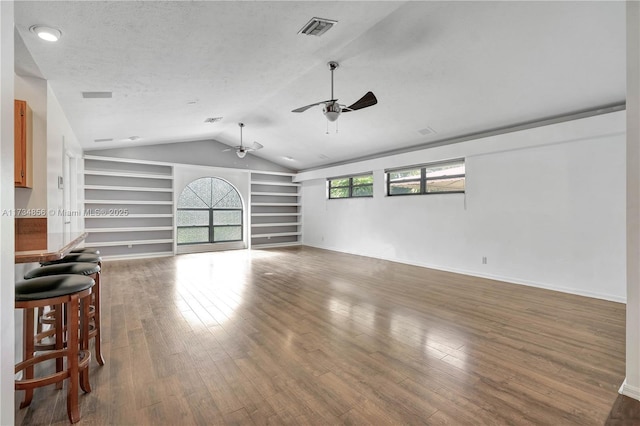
{"points": [[47, 256]]}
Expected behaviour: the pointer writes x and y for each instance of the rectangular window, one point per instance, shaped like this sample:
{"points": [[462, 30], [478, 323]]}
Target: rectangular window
{"points": [[351, 187], [437, 178], [202, 226]]}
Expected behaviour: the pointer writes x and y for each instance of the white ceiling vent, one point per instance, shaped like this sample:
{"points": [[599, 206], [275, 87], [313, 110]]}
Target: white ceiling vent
{"points": [[212, 119], [426, 131], [103, 140], [96, 95], [317, 26]]}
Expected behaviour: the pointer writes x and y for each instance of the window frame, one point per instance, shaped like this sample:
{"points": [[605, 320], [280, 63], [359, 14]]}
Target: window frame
{"points": [[350, 186], [211, 227], [423, 179]]}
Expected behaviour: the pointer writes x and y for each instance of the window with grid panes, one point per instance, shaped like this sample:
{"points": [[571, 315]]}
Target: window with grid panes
{"points": [[351, 187], [437, 178], [209, 211]]}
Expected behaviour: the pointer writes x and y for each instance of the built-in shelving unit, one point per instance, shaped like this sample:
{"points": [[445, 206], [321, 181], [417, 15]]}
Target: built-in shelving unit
{"points": [[275, 210], [128, 207]]}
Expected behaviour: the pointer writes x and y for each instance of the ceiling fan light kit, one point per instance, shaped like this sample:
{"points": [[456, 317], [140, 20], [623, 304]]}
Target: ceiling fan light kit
{"points": [[332, 109]]}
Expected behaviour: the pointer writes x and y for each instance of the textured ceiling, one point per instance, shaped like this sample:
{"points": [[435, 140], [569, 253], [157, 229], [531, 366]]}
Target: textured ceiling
{"points": [[454, 67]]}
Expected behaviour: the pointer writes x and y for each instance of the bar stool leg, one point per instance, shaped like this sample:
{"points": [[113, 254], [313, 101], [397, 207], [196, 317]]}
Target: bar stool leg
{"points": [[84, 343], [28, 348], [96, 319], [59, 325], [72, 344]]}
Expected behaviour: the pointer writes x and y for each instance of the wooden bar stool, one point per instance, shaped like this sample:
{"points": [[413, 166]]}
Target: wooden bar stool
{"points": [[77, 268], [95, 297], [72, 293]]}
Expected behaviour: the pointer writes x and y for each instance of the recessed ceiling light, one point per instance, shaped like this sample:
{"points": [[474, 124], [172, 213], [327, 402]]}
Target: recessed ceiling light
{"points": [[46, 33]]}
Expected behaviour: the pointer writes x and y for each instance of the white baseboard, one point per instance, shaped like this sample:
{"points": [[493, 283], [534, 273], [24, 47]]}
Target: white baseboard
{"points": [[630, 391], [507, 279]]}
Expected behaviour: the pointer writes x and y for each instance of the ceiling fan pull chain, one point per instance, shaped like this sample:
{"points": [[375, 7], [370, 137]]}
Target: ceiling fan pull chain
{"points": [[327, 127]]}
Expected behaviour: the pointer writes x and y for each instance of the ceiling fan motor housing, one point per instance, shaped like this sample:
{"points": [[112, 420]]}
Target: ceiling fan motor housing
{"points": [[332, 111]]}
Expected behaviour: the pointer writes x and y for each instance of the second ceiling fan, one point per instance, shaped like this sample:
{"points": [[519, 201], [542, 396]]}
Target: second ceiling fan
{"points": [[332, 109]]}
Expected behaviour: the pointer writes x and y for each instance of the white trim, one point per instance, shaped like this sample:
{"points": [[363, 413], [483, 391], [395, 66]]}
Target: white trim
{"points": [[630, 391], [206, 248], [501, 278], [274, 245], [138, 256]]}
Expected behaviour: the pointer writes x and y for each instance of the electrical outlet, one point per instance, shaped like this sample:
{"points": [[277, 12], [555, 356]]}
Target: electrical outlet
{"points": [[484, 260]]}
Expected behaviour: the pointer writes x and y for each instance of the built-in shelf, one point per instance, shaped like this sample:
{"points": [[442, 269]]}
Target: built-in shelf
{"points": [[126, 174], [138, 202], [275, 194], [122, 228], [277, 204], [275, 234], [126, 188], [129, 243], [270, 183], [131, 229], [275, 210], [275, 214]]}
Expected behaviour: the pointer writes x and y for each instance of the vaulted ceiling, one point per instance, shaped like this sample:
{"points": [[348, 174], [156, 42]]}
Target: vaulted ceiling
{"points": [[439, 70]]}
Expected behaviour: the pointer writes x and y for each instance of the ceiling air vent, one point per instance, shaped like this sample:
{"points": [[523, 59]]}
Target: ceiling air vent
{"points": [[212, 119], [426, 131], [317, 26], [103, 140], [96, 95]]}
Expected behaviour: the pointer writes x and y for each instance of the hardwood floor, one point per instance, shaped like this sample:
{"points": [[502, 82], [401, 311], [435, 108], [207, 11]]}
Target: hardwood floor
{"points": [[307, 336]]}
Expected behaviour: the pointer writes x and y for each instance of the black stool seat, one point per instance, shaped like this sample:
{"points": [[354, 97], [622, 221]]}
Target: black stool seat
{"points": [[77, 268], [75, 257], [86, 250], [51, 286]]}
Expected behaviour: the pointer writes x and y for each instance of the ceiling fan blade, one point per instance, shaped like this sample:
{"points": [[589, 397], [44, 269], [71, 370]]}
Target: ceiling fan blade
{"points": [[256, 146], [369, 99], [304, 108], [227, 150]]}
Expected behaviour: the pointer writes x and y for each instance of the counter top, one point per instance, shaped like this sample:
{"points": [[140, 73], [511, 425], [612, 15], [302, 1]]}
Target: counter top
{"points": [[58, 246]]}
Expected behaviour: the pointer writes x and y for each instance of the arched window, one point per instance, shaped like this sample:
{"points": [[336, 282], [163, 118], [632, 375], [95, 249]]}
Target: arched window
{"points": [[209, 211]]}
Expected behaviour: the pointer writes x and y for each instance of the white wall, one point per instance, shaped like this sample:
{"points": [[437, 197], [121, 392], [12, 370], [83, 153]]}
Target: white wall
{"points": [[183, 175], [546, 206], [60, 138], [6, 221], [631, 386]]}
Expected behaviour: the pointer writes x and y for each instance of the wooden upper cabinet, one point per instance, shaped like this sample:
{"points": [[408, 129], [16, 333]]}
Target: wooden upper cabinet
{"points": [[23, 143]]}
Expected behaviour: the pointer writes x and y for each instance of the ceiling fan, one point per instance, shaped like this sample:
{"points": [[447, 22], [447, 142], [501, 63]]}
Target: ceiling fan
{"points": [[332, 108], [242, 150]]}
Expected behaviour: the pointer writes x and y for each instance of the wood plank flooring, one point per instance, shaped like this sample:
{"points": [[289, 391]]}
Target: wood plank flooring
{"points": [[308, 336]]}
